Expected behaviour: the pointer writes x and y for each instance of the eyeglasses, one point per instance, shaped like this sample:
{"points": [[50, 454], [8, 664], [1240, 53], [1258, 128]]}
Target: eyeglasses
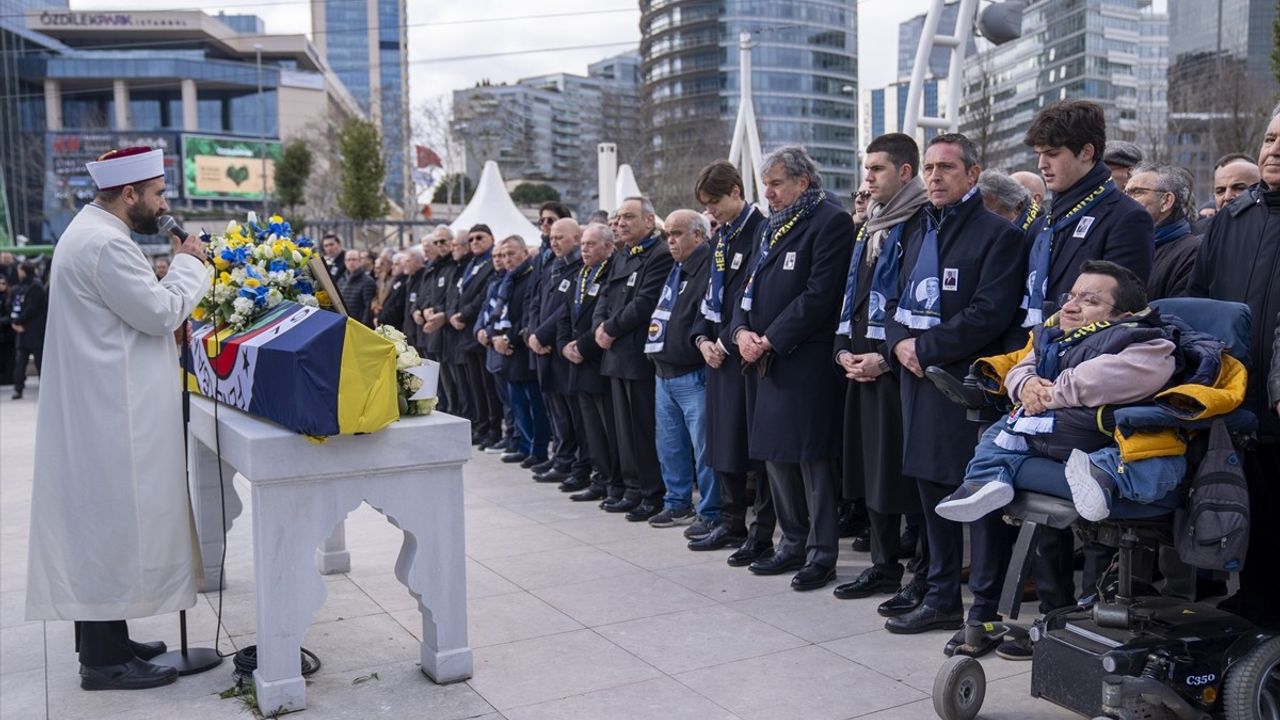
{"points": [[546, 220], [475, 238], [439, 242], [1136, 191], [1084, 299], [862, 195]]}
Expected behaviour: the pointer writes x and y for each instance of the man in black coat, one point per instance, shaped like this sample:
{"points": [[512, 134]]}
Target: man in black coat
{"points": [[576, 343], [28, 311], [1090, 219], [524, 395], [571, 464], [622, 324], [453, 374], [784, 327], [719, 189], [357, 289], [393, 305], [432, 301], [1240, 261], [1164, 191], [472, 281], [873, 405], [973, 256], [414, 270]]}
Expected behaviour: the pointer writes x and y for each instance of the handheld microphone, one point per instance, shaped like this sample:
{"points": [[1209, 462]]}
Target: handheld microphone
{"points": [[168, 224]]}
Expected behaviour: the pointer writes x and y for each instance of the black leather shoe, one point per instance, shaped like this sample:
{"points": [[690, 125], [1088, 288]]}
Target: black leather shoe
{"points": [[924, 619], [620, 505], [148, 650], [573, 485], [544, 466], [776, 564], [551, 476], [645, 510], [749, 552], [720, 537], [530, 461], [513, 457], [907, 598], [812, 576], [591, 494], [872, 581], [861, 543], [133, 675]]}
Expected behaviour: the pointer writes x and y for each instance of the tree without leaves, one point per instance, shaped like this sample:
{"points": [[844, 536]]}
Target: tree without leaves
{"points": [[292, 172], [361, 196]]}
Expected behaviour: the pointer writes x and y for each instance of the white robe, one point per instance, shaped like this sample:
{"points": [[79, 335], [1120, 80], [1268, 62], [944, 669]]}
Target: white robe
{"points": [[112, 535]]}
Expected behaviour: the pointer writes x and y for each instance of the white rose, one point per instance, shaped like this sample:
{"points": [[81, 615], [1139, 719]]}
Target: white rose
{"points": [[252, 218], [408, 359], [308, 300], [274, 297]]}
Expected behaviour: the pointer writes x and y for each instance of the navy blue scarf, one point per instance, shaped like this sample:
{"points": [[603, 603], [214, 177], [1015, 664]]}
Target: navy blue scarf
{"points": [[920, 302], [473, 268], [503, 296], [725, 235], [884, 279], [657, 338], [1171, 231]]}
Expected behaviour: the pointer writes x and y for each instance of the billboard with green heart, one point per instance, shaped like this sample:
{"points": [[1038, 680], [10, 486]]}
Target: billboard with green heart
{"points": [[227, 168]]}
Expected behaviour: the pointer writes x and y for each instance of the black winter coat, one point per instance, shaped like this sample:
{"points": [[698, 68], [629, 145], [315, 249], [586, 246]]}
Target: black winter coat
{"points": [[357, 290], [392, 312], [628, 299], [550, 303], [678, 355], [984, 249], [28, 307], [472, 281], [452, 350], [576, 324], [517, 366]]}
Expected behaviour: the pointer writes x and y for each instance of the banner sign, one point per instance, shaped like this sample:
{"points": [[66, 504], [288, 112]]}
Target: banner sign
{"points": [[226, 168]]}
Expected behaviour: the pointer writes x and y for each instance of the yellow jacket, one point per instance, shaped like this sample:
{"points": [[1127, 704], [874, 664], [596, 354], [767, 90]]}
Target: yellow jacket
{"points": [[1188, 401]]}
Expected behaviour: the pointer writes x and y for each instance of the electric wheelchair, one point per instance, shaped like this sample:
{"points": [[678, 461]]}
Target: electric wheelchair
{"points": [[1125, 653]]}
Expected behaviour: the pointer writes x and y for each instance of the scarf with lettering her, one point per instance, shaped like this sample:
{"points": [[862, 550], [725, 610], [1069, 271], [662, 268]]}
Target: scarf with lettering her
{"points": [[657, 338], [1041, 260], [920, 302], [644, 244], [503, 322], [777, 227], [725, 235], [883, 280], [588, 278]]}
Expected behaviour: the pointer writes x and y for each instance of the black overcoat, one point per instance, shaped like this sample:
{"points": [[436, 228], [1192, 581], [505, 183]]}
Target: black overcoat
{"points": [[472, 281], [553, 290], [626, 306], [576, 324], [516, 367]]}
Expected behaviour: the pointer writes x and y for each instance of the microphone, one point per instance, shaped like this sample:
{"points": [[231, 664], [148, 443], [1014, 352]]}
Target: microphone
{"points": [[168, 224]]}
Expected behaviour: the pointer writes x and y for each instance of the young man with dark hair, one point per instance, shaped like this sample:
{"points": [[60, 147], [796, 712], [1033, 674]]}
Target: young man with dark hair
{"points": [[873, 402], [1091, 219]]}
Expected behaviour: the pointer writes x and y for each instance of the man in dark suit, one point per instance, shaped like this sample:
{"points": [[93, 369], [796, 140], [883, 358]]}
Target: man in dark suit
{"points": [[784, 327], [622, 324], [432, 299], [719, 189], [453, 367], [576, 343], [1091, 219], [976, 254], [532, 426], [472, 282]]}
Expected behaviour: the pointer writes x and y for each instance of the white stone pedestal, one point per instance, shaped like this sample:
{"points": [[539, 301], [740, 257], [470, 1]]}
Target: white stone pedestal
{"points": [[411, 472]]}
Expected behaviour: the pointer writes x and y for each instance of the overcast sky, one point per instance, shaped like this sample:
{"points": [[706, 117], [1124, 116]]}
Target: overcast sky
{"points": [[444, 38]]}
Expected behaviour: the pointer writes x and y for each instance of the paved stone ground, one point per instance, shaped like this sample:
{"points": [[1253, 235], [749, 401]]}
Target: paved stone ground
{"points": [[573, 615]]}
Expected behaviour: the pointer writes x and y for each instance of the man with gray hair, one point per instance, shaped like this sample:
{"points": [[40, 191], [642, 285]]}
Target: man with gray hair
{"points": [[784, 327], [1011, 200], [1164, 191], [680, 400], [1121, 157]]}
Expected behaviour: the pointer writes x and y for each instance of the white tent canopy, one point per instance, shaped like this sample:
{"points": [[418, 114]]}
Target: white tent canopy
{"points": [[492, 206], [627, 186]]}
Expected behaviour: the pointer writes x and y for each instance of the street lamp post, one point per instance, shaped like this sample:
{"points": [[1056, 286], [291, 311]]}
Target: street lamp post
{"points": [[262, 130]]}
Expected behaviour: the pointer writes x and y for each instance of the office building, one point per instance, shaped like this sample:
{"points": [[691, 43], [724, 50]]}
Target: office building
{"points": [[366, 43], [805, 86]]}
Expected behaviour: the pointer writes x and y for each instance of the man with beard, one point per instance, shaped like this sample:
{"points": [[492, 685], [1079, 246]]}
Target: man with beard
{"points": [[719, 190], [784, 327], [111, 529], [873, 405]]}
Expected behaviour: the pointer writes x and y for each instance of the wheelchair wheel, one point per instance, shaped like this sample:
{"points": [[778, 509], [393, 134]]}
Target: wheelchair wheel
{"points": [[1252, 690], [959, 689]]}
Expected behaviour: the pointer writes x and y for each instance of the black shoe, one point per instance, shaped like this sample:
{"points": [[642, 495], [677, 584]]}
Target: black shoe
{"points": [[872, 581], [907, 543], [907, 598], [513, 457], [148, 650], [812, 576], [776, 564], [590, 494], [543, 466], [133, 675], [861, 543], [552, 475], [720, 537], [924, 619], [16, 396], [644, 510], [530, 461], [620, 505], [574, 484], [957, 646], [749, 552]]}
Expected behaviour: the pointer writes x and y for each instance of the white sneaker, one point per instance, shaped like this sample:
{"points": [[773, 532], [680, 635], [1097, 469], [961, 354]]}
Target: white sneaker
{"points": [[974, 500], [1086, 492]]}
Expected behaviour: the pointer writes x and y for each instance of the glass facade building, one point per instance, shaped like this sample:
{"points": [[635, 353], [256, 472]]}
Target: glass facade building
{"points": [[804, 83]]}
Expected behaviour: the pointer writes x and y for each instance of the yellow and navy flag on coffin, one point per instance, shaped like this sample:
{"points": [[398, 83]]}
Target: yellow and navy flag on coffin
{"points": [[310, 370]]}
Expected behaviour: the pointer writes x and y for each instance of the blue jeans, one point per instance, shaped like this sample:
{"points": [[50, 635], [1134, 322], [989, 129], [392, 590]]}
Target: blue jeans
{"points": [[531, 418], [681, 414], [1143, 481]]}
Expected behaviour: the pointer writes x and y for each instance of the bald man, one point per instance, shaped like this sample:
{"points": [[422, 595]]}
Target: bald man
{"points": [[570, 463], [1232, 178], [1033, 183]]}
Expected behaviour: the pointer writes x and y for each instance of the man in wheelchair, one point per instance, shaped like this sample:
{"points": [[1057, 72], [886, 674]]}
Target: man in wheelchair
{"points": [[1105, 349]]}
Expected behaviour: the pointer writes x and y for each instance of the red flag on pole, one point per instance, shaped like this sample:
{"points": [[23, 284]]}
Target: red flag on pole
{"points": [[427, 157]]}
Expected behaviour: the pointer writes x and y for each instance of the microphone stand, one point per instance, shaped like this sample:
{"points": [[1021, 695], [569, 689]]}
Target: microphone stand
{"points": [[187, 660]]}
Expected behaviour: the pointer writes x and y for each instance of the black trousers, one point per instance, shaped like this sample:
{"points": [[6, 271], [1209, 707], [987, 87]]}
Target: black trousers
{"points": [[454, 378], [733, 506], [487, 409], [103, 643], [7, 353], [885, 532], [442, 392], [1053, 568], [20, 359], [988, 556], [1260, 578], [601, 435], [633, 414], [806, 496], [571, 455]]}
